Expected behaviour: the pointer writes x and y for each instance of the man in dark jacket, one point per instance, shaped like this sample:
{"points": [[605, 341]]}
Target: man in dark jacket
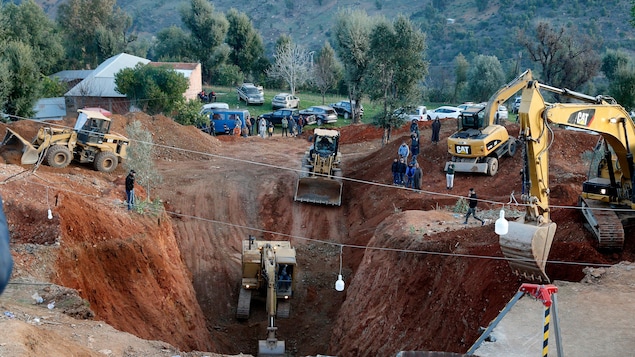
{"points": [[472, 210], [436, 128], [401, 169], [6, 261], [418, 176], [130, 189], [395, 172], [414, 147]]}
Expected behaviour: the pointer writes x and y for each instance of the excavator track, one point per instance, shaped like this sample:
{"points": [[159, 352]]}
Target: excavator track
{"points": [[244, 302], [284, 309], [605, 225]]}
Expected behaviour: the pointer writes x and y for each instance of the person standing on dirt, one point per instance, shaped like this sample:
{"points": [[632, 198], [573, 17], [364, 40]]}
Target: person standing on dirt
{"points": [[436, 128], [285, 125], [449, 176], [417, 176], [410, 175], [401, 169], [472, 209], [403, 151], [270, 129], [395, 172], [414, 128], [300, 124], [130, 189], [262, 127], [6, 260], [414, 147]]}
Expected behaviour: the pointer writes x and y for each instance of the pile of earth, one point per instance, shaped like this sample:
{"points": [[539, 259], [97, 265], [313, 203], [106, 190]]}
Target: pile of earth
{"points": [[416, 278]]}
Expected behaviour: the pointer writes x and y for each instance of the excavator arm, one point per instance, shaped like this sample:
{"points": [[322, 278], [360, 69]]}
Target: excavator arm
{"points": [[503, 94], [527, 243]]}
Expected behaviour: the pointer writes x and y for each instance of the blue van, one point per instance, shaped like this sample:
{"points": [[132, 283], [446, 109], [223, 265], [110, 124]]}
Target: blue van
{"points": [[225, 119]]}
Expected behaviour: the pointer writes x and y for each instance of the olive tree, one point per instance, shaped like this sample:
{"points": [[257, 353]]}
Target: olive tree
{"points": [[139, 156], [485, 77], [326, 70]]}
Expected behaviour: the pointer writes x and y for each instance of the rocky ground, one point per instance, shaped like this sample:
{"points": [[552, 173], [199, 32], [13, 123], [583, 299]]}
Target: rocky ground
{"points": [[166, 284]]}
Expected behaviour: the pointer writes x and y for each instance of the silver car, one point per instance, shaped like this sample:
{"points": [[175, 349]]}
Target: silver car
{"points": [[285, 100]]}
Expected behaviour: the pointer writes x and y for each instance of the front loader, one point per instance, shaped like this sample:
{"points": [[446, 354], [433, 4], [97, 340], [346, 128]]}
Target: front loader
{"points": [[320, 181], [90, 141]]}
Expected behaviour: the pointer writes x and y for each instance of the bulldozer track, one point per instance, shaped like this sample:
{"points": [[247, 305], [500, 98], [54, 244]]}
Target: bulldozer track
{"points": [[605, 225], [284, 309], [244, 302]]}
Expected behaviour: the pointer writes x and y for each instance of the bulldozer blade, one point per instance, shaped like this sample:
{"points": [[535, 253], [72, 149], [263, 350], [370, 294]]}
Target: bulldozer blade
{"points": [[13, 141], [527, 247], [270, 348], [319, 190]]}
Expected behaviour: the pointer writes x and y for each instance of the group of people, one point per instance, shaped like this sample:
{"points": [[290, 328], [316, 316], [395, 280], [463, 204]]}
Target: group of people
{"points": [[407, 175], [290, 127], [207, 98]]}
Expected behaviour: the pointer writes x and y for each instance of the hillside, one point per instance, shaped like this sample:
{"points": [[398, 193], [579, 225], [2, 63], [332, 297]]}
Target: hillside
{"points": [[452, 27], [172, 280]]}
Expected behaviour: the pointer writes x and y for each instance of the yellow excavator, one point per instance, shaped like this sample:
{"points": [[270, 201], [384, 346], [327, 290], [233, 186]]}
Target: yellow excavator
{"points": [[482, 140], [268, 268], [320, 180], [607, 198]]}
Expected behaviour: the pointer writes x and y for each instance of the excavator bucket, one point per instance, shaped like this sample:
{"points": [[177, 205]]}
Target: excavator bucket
{"points": [[13, 141], [320, 190], [270, 348], [527, 247]]}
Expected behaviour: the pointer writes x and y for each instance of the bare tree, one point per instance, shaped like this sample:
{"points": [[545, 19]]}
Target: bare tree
{"points": [[139, 156], [565, 61], [326, 71], [292, 64]]}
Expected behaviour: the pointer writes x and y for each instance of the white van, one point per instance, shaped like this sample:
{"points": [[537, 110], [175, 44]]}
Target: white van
{"points": [[208, 108]]}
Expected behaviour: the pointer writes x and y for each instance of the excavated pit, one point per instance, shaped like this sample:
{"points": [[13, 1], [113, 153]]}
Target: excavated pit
{"points": [[175, 277]]}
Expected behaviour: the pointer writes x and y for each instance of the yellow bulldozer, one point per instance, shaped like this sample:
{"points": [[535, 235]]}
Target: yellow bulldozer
{"points": [[269, 270], [90, 141], [320, 180]]}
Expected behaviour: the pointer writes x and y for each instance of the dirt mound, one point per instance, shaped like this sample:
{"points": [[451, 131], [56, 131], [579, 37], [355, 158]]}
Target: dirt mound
{"points": [[175, 276]]}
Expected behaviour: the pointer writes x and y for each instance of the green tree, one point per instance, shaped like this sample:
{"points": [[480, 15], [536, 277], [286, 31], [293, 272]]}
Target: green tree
{"points": [[461, 66], [622, 87], [208, 30], [139, 157], [352, 38], [326, 70], [396, 66], [22, 75], [485, 77], [154, 89], [172, 44], [566, 60], [612, 61], [189, 113], [94, 30], [28, 23], [245, 43]]}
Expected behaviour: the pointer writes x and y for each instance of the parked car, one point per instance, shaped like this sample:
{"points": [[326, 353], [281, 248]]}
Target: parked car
{"points": [[319, 114], [250, 94], [343, 108], [464, 106], [276, 116], [224, 120], [502, 113], [207, 109], [516, 105], [419, 113], [444, 112], [285, 100]]}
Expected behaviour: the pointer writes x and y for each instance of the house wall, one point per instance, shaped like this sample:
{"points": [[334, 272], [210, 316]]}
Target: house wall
{"points": [[113, 105], [196, 83]]}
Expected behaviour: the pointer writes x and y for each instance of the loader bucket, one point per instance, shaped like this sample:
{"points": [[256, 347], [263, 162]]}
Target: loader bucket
{"points": [[527, 246], [270, 348], [13, 141], [320, 190]]}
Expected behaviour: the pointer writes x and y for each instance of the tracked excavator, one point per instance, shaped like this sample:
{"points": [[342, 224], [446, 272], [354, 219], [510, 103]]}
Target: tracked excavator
{"points": [[482, 139], [607, 199], [268, 269], [320, 180], [89, 141]]}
